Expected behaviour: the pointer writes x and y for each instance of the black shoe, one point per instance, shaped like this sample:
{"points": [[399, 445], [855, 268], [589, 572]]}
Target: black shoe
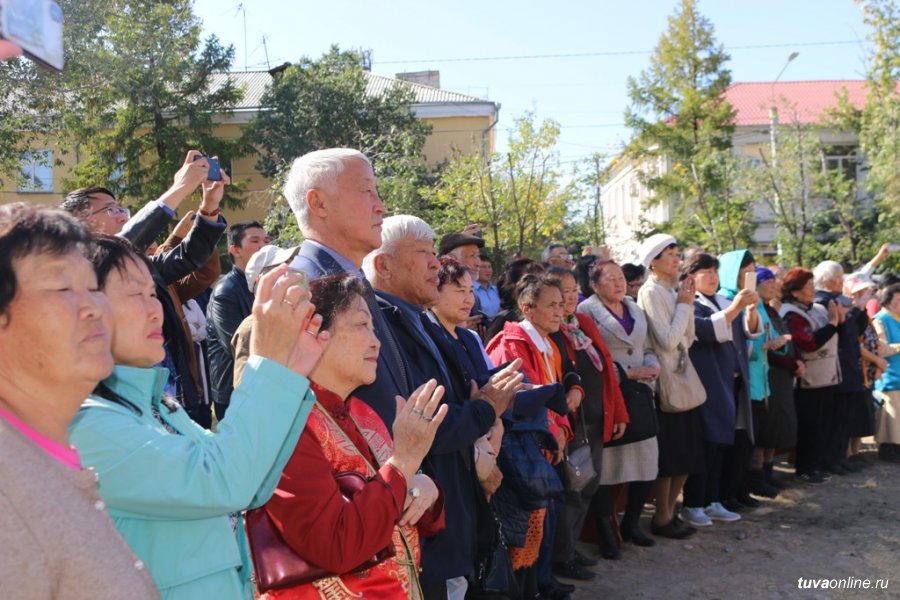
{"points": [[633, 534], [733, 505], [556, 591], [759, 486], [609, 547], [852, 466], [812, 477], [673, 529], [572, 570], [748, 501], [772, 479], [836, 469], [585, 561]]}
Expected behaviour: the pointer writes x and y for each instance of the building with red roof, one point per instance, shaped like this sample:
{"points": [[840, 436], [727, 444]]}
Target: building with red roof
{"points": [[629, 206]]}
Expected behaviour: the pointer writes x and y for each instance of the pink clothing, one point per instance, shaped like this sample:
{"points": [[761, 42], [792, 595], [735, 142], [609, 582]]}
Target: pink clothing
{"points": [[67, 455]]}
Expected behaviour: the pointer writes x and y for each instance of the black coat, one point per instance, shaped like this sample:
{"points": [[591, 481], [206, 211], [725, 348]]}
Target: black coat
{"points": [[450, 462], [231, 302]]}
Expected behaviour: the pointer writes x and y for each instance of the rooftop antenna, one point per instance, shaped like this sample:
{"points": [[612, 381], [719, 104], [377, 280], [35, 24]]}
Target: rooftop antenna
{"points": [[266, 50], [241, 9]]}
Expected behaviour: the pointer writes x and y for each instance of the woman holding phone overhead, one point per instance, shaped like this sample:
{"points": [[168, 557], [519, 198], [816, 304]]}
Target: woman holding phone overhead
{"points": [[170, 485]]}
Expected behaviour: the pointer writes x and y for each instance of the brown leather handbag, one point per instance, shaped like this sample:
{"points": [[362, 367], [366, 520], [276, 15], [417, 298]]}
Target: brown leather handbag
{"points": [[276, 565]]}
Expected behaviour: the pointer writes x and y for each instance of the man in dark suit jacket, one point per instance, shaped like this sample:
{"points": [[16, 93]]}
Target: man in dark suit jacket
{"points": [[334, 198], [229, 304], [404, 274]]}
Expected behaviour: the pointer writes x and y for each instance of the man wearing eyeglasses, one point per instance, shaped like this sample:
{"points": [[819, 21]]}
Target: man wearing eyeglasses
{"points": [[99, 210], [558, 255]]}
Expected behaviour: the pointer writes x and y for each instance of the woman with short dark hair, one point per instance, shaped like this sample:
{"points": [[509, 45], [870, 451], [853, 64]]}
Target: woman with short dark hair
{"points": [[813, 331], [55, 343]]}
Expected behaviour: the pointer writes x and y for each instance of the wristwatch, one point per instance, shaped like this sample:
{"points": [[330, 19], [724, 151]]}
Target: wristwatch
{"points": [[211, 213]]}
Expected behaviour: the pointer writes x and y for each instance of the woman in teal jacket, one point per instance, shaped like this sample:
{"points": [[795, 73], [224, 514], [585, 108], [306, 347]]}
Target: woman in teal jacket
{"points": [[171, 486]]}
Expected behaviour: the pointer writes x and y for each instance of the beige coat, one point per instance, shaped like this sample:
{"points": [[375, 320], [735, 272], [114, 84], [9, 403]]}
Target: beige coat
{"points": [[58, 539]]}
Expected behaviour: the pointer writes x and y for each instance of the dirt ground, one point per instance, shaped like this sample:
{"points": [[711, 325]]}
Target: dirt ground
{"points": [[848, 527]]}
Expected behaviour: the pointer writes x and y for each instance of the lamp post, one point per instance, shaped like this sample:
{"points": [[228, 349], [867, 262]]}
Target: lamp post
{"points": [[773, 111]]}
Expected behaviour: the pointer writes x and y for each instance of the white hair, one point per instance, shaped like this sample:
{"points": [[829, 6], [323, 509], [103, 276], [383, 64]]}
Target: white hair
{"points": [[317, 169], [393, 230], [825, 272]]}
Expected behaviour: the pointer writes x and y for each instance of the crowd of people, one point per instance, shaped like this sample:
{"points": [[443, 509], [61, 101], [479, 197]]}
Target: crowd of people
{"points": [[373, 414]]}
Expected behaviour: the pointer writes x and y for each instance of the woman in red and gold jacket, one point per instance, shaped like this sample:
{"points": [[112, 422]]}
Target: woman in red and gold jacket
{"points": [[343, 435]]}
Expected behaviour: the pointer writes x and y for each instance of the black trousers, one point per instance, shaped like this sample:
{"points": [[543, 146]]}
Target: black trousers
{"points": [[435, 591], [702, 489], [815, 409], [735, 466], [837, 438]]}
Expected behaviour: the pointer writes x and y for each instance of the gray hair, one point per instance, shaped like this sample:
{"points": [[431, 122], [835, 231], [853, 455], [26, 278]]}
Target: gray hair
{"points": [[545, 255], [393, 230], [826, 271], [318, 169]]}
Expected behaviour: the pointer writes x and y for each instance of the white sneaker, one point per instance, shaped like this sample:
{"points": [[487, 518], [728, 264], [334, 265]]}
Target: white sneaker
{"points": [[696, 517], [719, 513]]}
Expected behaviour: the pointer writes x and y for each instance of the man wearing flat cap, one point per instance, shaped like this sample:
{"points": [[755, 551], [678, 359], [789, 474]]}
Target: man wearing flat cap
{"points": [[466, 249]]}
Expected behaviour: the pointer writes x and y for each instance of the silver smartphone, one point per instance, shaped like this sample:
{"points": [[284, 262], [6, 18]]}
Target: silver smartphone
{"points": [[36, 26], [750, 281]]}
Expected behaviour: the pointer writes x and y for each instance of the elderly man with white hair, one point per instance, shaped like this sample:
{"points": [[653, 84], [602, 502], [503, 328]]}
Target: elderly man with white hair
{"points": [[334, 197], [404, 273], [828, 277]]}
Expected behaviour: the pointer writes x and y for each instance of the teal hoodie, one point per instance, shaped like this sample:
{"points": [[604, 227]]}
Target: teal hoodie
{"points": [[171, 494], [729, 269]]}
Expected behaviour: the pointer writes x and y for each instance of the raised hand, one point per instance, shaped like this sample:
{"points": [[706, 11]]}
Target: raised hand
{"points": [[687, 290], [414, 427], [501, 388], [280, 311]]}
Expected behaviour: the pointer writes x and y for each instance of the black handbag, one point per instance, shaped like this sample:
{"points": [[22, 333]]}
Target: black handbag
{"points": [[494, 576], [639, 402], [578, 465]]}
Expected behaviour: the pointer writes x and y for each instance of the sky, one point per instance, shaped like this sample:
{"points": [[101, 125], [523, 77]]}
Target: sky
{"points": [[565, 60]]}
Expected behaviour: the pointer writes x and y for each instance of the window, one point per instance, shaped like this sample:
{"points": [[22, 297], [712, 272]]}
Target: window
{"points": [[36, 173], [843, 160]]}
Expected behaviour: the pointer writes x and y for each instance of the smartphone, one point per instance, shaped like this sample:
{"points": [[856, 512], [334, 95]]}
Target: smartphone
{"points": [[844, 300], [215, 171], [750, 281], [304, 277], [893, 247], [36, 26]]}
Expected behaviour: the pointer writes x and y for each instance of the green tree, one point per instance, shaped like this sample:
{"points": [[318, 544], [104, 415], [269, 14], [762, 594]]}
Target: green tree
{"points": [[140, 88], [518, 196], [323, 103], [880, 119], [683, 126]]}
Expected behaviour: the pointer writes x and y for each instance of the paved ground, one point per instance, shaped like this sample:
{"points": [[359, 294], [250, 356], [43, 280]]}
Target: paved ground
{"points": [[848, 527]]}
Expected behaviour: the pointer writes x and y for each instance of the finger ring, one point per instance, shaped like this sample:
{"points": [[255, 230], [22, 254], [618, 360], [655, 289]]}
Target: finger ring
{"points": [[413, 492], [417, 411], [311, 333], [289, 303], [429, 419]]}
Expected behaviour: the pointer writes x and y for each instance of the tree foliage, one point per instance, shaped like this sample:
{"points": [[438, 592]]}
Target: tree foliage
{"points": [[323, 103], [880, 119], [680, 117], [518, 196]]}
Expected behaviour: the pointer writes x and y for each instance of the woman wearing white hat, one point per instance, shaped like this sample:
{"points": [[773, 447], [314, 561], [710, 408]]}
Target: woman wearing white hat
{"points": [[670, 316]]}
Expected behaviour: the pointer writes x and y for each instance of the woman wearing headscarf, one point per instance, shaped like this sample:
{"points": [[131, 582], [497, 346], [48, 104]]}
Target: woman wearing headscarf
{"points": [[601, 417], [670, 316], [774, 417], [734, 267]]}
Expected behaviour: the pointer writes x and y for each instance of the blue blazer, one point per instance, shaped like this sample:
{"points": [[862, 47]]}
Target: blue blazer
{"points": [[389, 379], [720, 351]]}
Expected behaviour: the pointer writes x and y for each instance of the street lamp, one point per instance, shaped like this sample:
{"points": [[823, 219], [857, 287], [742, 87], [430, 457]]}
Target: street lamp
{"points": [[773, 110]]}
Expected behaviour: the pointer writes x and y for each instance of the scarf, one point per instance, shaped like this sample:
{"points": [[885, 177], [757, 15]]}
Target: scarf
{"points": [[580, 341]]}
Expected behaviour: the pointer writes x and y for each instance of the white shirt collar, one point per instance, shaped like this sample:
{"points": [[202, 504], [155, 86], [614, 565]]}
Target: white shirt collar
{"points": [[542, 343]]}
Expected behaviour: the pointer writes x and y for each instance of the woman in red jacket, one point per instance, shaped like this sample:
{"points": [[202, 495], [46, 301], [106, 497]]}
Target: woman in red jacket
{"points": [[600, 418]]}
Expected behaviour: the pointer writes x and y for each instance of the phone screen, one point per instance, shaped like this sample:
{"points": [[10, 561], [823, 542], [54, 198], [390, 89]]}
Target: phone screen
{"points": [[750, 281], [37, 27]]}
